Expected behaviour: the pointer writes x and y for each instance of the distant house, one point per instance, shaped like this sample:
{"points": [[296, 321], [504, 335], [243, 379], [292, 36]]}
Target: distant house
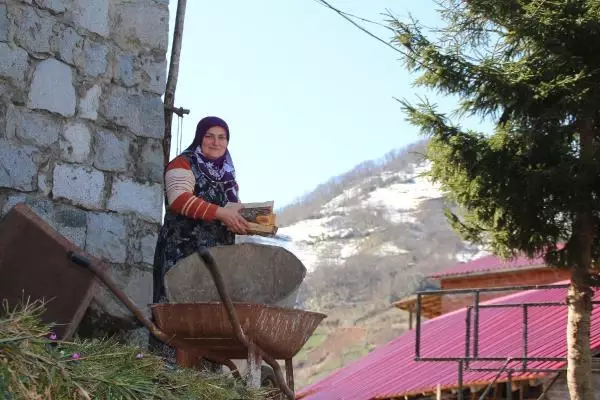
{"points": [[484, 272], [391, 372]]}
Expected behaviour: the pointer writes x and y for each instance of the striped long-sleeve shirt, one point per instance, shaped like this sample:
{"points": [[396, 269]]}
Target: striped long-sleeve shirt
{"points": [[180, 182]]}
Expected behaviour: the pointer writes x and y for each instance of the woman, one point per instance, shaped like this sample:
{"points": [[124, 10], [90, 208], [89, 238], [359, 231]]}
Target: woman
{"points": [[198, 183]]}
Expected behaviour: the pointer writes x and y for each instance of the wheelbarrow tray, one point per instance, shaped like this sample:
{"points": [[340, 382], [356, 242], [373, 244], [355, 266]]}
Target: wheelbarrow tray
{"points": [[34, 266], [281, 332]]}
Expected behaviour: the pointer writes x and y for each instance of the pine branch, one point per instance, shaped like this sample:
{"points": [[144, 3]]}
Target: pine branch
{"points": [[43, 367]]}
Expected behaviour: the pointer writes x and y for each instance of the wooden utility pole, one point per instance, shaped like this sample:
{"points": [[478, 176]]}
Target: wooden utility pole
{"points": [[172, 80]]}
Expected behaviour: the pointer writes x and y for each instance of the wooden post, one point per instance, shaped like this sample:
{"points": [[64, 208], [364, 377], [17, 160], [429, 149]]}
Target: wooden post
{"points": [[522, 389], [438, 392], [172, 78], [496, 389]]}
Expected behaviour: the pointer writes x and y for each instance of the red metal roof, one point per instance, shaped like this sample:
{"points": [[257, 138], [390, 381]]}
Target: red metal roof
{"points": [[488, 264], [391, 371]]}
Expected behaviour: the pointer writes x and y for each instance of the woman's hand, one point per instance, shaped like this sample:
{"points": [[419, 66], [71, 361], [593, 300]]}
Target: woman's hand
{"points": [[231, 217]]}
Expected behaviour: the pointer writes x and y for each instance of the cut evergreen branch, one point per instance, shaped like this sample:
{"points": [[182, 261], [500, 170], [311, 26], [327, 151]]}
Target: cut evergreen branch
{"points": [[35, 365]]}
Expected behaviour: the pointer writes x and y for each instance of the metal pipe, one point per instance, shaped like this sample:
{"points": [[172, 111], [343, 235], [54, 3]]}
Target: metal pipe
{"points": [[460, 381], [468, 335], [516, 359], [540, 304], [540, 370], [493, 289], [418, 328], [177, 110], [476, 325], [525, 337]]}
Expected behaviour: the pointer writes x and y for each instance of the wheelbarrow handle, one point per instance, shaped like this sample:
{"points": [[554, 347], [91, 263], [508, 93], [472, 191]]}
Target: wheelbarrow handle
{"points": [[215, 272], [110, 283]]}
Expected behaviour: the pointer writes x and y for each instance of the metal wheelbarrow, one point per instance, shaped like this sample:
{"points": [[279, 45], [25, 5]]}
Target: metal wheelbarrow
{"points": [[37, 262], [221, 331]]}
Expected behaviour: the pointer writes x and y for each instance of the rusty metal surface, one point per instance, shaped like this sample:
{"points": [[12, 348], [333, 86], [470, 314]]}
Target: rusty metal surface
{"points": [[281, 332], [252, 273], [34, 263]]}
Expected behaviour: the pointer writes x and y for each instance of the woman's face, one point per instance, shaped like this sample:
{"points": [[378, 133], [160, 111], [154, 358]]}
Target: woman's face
{"points": [[214, 142]]}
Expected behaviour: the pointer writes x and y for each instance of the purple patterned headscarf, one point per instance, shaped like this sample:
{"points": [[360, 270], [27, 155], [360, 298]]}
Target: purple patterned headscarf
{"points": [[220, 170]]}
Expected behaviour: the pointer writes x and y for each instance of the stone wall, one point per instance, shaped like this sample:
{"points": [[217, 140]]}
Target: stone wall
{"points": [[81, 122]]}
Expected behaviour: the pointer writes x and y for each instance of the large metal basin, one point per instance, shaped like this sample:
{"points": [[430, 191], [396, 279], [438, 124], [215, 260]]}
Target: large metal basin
{"points": [[281, 332]]}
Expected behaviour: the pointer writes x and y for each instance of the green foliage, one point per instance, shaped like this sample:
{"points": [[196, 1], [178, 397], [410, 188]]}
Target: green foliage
{"points": [[533, 66], [33, 366]]}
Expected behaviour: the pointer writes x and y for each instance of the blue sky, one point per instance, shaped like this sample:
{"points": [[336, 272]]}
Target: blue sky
{"points": [[306, 94]]}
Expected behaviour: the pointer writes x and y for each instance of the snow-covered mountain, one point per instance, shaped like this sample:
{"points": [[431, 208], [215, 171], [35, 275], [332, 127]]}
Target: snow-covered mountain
{"points": [[364, 219], [331, 237]]}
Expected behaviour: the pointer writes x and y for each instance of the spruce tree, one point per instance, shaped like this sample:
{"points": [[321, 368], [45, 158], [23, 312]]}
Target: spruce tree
{"points": [[533, 182]]}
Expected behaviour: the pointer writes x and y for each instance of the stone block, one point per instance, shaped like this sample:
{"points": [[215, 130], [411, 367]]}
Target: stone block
{"points": [[143, 114], [53, 80], [95, 60], [74, 235], [92, 15], [17, 167], [39, 129], [12, 201], [76, 142], [142, 21], [44, 180], [56, 6], [142, 243], [144, 200], [151, 162], [89, 103], [3, 24], [107, 236], [10, 120], [13, 64], [147, 246], [154, 76], [34, 31], [71, 222], [124, 70], [111, 151], [81, 185], [44, 183], [69, 46]]}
